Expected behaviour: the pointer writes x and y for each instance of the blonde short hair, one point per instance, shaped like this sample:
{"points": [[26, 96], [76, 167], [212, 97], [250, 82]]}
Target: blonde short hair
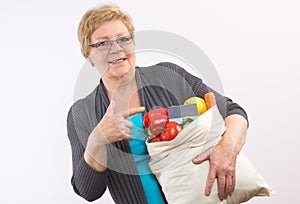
{"points": [[93, 18]]}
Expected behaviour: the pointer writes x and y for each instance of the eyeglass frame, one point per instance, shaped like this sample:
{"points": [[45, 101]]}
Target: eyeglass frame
{"points": [[110, 41]]}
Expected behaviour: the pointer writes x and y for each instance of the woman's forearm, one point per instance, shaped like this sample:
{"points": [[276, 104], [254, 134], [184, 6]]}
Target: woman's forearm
{"points": [[235, 134], [95, 153]]}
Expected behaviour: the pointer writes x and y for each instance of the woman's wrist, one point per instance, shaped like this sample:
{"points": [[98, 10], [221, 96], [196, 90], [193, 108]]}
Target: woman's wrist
{"points": [[95, 153], [235, 134], [93, 162]]}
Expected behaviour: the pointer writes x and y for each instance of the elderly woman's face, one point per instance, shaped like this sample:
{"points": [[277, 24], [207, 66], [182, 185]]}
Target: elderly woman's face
{"points": [[113, 52]]}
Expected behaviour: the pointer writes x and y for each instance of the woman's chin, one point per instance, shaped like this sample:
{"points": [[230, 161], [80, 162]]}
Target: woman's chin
{"points": [[122, 72]]}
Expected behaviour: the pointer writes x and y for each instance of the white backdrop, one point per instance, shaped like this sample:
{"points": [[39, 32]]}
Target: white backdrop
{"points": [[254, 45]]}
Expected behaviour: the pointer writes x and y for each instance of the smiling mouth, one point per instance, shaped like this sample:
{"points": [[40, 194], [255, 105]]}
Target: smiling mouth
{"points": [[117, 61]]}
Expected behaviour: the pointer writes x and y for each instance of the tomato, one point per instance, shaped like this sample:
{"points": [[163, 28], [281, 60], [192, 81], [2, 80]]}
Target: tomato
{"points": [[171, 131]]}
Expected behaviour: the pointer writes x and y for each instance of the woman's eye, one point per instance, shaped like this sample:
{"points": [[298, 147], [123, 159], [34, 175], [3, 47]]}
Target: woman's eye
{"points": [[124, 39], [103, 44]]}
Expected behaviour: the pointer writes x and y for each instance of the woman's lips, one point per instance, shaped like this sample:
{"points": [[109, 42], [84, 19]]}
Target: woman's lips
{"points": [[117, 61]]}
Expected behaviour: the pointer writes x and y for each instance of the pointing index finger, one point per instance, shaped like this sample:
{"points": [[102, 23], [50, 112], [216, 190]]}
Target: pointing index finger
{"points": [[132, 111]]}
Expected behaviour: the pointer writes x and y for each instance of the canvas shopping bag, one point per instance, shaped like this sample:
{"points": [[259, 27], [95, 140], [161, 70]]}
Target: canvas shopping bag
{"points": [[183, 181]]}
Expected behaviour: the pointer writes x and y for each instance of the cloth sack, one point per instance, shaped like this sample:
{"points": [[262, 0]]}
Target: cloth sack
{"points": [[184, 182]]}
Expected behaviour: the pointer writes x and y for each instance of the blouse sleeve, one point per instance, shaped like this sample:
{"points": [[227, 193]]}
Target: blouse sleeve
{"points": [[87, 182], [226, 106]]}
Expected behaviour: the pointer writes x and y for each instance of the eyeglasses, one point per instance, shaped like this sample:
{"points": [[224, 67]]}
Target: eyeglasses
{"points": [[122, 40]]}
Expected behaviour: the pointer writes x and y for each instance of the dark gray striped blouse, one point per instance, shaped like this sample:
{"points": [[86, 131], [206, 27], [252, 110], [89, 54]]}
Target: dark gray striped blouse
{"points": [[163, 84]]}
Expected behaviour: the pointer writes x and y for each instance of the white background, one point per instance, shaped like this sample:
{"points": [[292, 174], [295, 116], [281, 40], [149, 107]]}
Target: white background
{"points": [[254, 45]]}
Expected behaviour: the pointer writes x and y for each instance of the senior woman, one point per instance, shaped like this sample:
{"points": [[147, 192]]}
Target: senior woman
{"points": [[100, 132]]}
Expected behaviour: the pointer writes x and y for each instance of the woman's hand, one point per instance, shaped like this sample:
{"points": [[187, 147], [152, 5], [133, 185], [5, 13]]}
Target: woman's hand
{"points": [[222, 157], [113, 127], [222, 166]]}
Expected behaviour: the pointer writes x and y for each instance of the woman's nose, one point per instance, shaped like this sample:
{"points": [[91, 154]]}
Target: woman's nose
{"points": [[115, 47]]}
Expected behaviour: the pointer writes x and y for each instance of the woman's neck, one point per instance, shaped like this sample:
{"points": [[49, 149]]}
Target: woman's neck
{"points": [[120, 85]]}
